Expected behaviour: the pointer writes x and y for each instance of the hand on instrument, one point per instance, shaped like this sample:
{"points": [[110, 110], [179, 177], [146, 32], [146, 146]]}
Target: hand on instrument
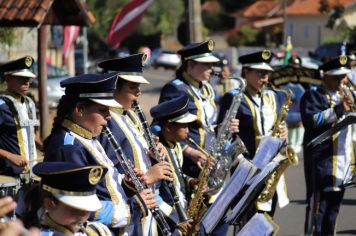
{"points": [[185, 226], [149, 198], [348, 103], [139, 174], [196, 156], [7, 204], [234, 125], [283, 132], [159, 171], [193, 184], [16, 228], [17, 160], [161, 150]]}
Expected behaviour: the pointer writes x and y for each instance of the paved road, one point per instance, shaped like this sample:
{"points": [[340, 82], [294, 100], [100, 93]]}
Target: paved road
{"points": [[290, 218]]}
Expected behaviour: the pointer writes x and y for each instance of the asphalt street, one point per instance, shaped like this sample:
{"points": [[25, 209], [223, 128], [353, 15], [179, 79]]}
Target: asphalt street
{"points": [[290, 218]]}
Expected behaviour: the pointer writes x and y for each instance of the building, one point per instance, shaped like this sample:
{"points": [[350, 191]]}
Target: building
{"points": [[307, 25]]}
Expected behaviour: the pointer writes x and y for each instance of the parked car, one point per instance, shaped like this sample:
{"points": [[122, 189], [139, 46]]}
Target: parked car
{"points": [[165, 58], [328, 51], [54, 90]]}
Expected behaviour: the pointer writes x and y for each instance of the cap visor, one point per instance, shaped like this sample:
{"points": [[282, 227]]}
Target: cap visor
{"points": [[338, 71], [186, 119], [135, 79], [206, 59], [27, 74], [261, 67], [106, 102], [84, 203]]}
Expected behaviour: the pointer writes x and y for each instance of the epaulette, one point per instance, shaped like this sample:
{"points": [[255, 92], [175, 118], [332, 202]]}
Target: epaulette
{"points": [[68, 139], [233, 92], [177, 82]]}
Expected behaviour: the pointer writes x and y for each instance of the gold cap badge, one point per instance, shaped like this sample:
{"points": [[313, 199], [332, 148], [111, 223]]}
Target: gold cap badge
{"points": [[266, 54], [211, 45], [28, 61], [95, 175], [343, 60], [144, 59]]}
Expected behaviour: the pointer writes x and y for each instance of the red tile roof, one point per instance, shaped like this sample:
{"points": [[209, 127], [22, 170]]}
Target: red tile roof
{"points": [[311, 7], [262, 8], [35, 12], [212, 6]]}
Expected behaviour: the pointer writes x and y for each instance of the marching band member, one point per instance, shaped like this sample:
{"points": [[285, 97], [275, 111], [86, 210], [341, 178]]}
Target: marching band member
{"points": [[258, 111], [68, 196], [127, 127], [81, 114], [171, 121], [222, 81], [17, 122], [192, 79], [329, 165]]}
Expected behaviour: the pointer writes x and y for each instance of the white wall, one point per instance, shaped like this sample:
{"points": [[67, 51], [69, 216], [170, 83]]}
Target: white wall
{"points": [[308, 30]]}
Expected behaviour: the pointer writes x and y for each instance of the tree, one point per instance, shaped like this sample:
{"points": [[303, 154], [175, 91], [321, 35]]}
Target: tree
{"points": [[7, 35], [244, 36], [233, 5]]}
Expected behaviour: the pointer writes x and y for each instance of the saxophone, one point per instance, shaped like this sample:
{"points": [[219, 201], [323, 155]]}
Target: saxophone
{"points": [[197, 207], [287, 151], [224, 149]]}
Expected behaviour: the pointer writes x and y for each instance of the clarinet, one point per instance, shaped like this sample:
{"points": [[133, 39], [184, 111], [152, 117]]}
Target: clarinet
{"points": [[128, 169], [152, 144]]}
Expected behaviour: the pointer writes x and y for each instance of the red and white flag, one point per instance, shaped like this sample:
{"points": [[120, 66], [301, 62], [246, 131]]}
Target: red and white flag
{"points": [[70, 35], [126, 20]]}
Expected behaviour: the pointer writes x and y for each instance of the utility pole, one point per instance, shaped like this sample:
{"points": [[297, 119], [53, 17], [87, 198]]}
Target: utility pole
{"points": [[195, 21], [285, 33]]}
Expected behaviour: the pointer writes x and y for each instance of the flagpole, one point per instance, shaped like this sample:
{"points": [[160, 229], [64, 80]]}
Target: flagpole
{"points": [[195, 22], [85, 50]]}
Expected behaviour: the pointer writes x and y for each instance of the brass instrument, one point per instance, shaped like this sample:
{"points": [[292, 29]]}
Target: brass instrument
{"points": [[287, 151], [347, 90], [226, 146], [197, 207]]}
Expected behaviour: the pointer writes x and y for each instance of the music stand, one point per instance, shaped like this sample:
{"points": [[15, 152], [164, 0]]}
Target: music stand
{"points": [[261, 224], [348, 120], [244, 173], [253, 191]]}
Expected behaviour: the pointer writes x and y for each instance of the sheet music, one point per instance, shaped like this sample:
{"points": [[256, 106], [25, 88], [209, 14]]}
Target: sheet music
{"points": [[258, 225], [252, 192], [267, 149], [243, 173]]}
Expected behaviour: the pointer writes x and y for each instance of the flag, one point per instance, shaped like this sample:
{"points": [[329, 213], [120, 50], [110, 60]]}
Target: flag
{"points": [[288, 50], [70, 35], [126, 20]]}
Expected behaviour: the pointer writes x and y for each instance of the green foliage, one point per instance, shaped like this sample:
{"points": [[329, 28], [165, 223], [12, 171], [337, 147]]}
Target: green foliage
{"points": [[217, 22], [233, 5], [162, 16], [337, 13], [324, 6], [352, 36], [246, 36], [7, 36]]}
